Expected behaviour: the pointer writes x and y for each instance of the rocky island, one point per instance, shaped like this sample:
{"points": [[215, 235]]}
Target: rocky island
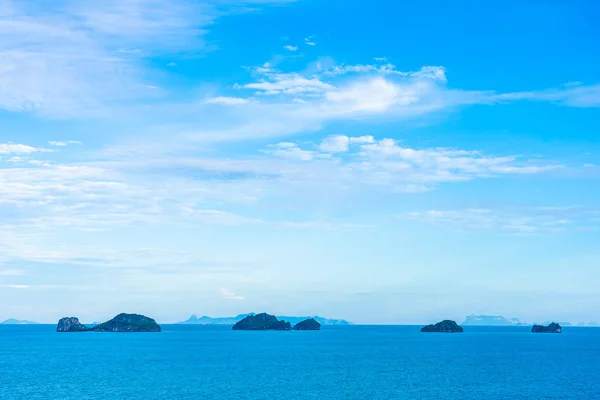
{"points": [[120, 323], [262, 322], [307, 325], [552, 328], [446, 326]]}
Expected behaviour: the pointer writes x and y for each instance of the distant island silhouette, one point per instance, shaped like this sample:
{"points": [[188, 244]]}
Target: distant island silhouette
{"points": [[492, 320], [121, 323], [204, 320], [589, 323], [12, 321]]}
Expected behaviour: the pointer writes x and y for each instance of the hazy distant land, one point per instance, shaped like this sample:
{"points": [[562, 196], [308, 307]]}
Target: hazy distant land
{"points": [[492, 320], [496, 320], [12, 321]]}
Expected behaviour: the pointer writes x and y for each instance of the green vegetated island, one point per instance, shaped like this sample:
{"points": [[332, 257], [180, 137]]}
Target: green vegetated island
{"points": [[267, 322], [121, 323], [446, 326]]}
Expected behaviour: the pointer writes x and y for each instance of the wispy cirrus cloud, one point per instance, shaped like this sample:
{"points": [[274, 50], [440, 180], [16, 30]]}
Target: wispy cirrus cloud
{"points": [[76, 59], [572, 95], [17, 286], [99, 195], [520, 221]]}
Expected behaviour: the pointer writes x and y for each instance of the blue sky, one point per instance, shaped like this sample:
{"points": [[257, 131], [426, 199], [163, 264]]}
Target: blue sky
{"points": [[383, 163]]}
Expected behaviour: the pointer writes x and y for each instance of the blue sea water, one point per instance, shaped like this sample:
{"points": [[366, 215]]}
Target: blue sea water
{"points": [[356, 362]]}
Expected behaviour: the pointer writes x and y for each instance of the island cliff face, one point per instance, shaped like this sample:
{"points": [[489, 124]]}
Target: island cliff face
{"points": [[552, 328], [70, 324], [445, 326], [307, 325], [120, 323], [262, 322]]}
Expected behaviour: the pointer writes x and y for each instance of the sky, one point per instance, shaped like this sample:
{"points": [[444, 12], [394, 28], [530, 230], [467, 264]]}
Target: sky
{"points": [[382, 162]]}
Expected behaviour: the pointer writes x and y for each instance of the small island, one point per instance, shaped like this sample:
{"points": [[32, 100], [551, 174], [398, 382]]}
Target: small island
{"points": [[120, 323], [446, 326], [552, 328], [307, 325], [262, 322]]}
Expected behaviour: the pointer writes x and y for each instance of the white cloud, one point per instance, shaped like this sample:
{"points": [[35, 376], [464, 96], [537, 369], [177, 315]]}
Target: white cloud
{"points": [[18, 286], [433, 73], [373, 96], [341, 143], [10, 148], [362, 139], [291, 152], [469, 162], [96, 195], [230, 101], [230, 294], [294, 84], [65, 143], [308, 100], [291, 48], [335, 144], [385, 163], [361, 69], [203, 188], [309, 41]]}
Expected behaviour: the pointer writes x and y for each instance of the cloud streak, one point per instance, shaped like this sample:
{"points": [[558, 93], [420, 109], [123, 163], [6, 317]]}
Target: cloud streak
{"points": [[525, 221], [230, 294]]}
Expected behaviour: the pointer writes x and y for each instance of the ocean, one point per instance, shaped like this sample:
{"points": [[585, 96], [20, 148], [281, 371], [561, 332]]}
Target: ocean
{"points": [[354, 362]]}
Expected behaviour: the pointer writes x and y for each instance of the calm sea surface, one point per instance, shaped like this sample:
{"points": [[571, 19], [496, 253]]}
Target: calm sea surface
{"points": [[357, 362]]}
